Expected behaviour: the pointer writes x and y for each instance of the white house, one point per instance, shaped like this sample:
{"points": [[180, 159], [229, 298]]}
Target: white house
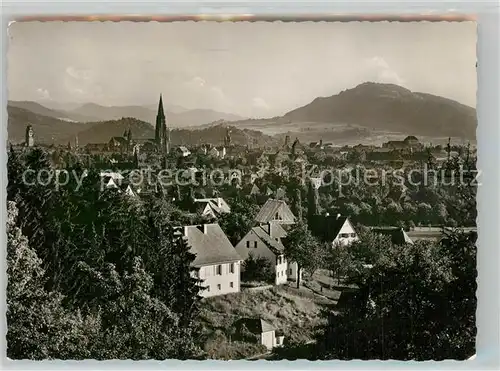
{"points": [[334, 229], [217, 261], [264, 241], [278, 212], [219, 152], [183, 151], [212, 207], [263, 330]]}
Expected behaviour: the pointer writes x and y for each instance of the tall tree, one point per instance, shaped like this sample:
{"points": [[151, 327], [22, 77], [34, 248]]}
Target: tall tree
{"points": [[313, 201], [302, 248], [39, 327]]}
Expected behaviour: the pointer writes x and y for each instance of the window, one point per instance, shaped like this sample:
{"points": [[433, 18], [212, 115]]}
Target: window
{"points": [[278, 260], [231, 285], [219, 270], [218, 287], [353, 235], [248, 244], [231, 268], [255, 244], [344, 235], [290, 271], [208, 289]]}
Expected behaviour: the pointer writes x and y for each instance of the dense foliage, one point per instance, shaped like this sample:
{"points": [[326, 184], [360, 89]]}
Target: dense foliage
{"points": [[90, 272], [416, 302]]}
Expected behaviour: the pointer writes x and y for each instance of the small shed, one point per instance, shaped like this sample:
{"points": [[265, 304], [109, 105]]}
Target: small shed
{"points": [[259, 330]]}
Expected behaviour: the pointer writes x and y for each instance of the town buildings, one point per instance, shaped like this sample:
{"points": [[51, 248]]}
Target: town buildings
{"points": [[217, 262]]}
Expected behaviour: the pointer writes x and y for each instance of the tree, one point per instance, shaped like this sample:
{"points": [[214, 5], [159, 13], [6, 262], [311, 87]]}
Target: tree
{"points": [[418, 303], [39, 327], [297, 204], [258, 269], [313, 201], [137, 325], [239, 221], [304, 249], [338, 260]]}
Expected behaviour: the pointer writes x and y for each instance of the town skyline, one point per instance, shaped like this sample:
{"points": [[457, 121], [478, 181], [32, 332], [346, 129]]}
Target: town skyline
{"points": [[238, 71]]}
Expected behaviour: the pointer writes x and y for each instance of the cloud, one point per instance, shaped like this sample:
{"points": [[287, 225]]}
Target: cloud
{"points": [[81, 83], [78, 74], [378, 70], [205, 95], [196, 82], [43, 93], [260, 103]]}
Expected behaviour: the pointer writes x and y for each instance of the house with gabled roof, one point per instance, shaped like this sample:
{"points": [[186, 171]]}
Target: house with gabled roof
{"points": [[264, 241], [212, 207], [334, 229], [183, 151], [397, 235], [217, 262], [262, 330], [275, 211]]}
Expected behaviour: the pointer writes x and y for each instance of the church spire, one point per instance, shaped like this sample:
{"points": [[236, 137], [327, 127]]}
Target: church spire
{"points": [[161, 113], [160, 124]]}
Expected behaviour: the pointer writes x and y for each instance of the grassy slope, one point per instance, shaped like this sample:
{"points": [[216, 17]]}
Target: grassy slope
{"points": [[296, 313]]}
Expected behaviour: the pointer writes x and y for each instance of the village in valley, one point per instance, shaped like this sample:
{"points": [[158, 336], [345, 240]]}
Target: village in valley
{"points": [[276, 236], [242, 190]]}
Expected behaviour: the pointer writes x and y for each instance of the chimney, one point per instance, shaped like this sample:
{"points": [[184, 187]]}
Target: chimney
{"points": [[321, 142], [185, 231], [205, 228], [219, 202], [268, 228]]}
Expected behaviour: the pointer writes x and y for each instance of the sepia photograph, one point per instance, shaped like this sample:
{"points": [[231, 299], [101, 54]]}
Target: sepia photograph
{"points": [[241, 190]]}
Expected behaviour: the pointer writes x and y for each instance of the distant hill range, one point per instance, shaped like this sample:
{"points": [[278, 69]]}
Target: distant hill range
{"points": [[178, 116], [388, 107], [103, 131], [49, 130], [370, 112]]}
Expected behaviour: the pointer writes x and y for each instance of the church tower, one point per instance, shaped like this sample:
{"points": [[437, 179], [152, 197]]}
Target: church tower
{"points": [[160, 124], [162, 134], [227, 138], [30, 137]]}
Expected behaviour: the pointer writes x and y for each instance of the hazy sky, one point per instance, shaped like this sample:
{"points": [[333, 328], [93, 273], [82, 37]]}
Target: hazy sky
{"points": [[252, 69]]}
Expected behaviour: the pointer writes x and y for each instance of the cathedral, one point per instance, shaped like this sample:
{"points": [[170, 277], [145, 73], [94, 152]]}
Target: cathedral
{"points": [[162, 132]]}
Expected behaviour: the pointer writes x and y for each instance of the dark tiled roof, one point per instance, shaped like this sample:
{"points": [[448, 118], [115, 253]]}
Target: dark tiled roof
{"points": [[218, 205], [398, 235], [271, 207], [327, 227], [255, 325], [212, 247], [276, 246]]}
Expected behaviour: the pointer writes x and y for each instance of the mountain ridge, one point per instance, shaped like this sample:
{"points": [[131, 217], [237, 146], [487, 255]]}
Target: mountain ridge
{"points": [[391, 107]]}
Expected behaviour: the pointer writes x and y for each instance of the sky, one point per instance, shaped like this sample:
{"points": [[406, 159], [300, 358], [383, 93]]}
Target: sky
{"points": [[260, 69]]}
